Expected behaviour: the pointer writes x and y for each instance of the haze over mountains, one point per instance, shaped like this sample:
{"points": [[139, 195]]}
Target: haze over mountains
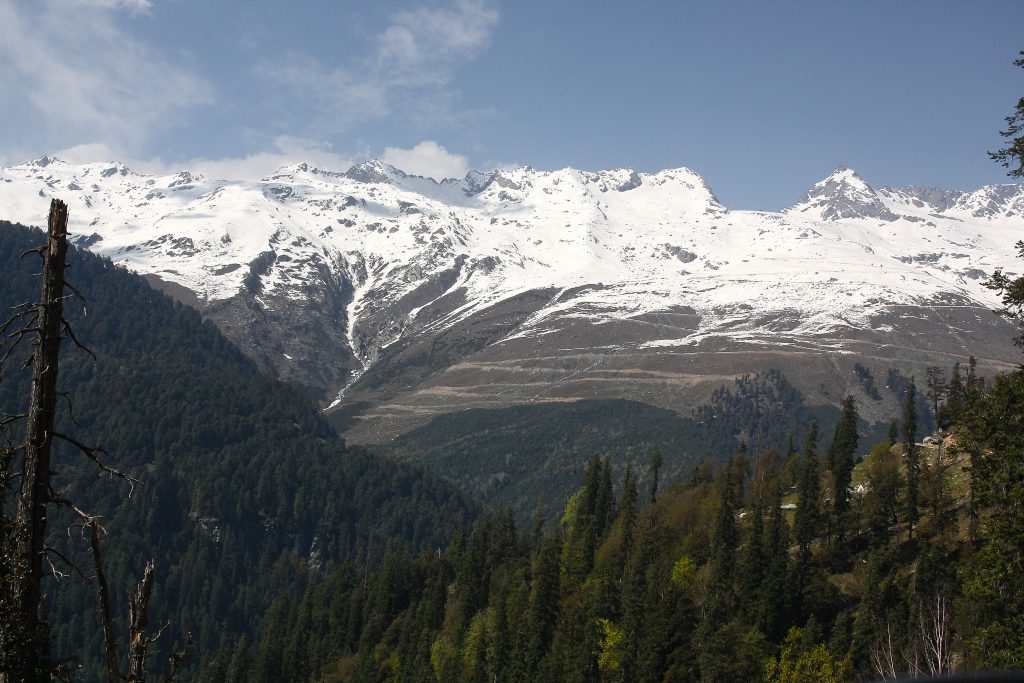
{"points": [[401, 298]]}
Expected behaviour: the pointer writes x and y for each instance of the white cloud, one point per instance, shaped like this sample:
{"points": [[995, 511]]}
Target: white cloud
{"points": [[131, 5], [427, 159], [284, 151], [83, 77], [419, 51]]}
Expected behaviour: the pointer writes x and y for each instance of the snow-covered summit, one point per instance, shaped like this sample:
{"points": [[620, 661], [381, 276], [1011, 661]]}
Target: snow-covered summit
{"points": [[841, 195], [387, 246]]}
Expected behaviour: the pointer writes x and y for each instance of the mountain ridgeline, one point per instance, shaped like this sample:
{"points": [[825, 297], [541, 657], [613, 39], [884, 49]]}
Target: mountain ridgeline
{"points": [[397, 299], [248, 493]]}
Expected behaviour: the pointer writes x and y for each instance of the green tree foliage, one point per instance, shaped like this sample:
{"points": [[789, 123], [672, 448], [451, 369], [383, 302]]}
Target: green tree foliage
{"points": [[797, 664], [880, 504], [1012, 156], [909, 433], [994, 429], [807, 520], [840, 455]]}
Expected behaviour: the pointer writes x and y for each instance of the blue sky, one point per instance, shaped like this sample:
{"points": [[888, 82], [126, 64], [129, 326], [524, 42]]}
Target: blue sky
{"points": [[762, 98]]}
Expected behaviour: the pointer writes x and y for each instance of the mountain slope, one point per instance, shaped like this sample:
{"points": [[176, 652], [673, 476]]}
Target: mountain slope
{"points": [[248, 493], [415, 298]]}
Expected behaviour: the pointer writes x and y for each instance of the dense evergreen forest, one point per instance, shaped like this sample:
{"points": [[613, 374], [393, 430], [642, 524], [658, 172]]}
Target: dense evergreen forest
{"points": [[247, 493], [829, 562]]}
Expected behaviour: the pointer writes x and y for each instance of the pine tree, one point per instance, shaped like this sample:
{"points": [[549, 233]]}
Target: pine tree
{"points": [[752, 564], [844, 445], [935, 387], [955, 395], [910, 445], [545, 598], [775, 597], [1012, 156], [629, 508], [808, 507], [720, 598], [656, 462], [604, 505]]}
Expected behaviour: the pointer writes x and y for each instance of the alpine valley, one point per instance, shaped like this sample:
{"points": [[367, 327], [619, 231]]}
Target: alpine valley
{"points": [[395, 300]]}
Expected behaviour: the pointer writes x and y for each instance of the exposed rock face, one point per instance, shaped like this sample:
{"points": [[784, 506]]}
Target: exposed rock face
{"points": [[411, 298]]}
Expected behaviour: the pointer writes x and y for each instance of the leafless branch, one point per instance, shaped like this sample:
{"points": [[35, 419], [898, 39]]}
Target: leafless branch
{"points": [[71, 408], [53, 551], [74, 338], [883, 655], [38, 250], [936, 635], [78, 295], [176, 657], [64, 502], [92, 453], [10, 419]]}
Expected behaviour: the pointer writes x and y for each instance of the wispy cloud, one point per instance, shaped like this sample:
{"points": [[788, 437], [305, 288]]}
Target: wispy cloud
{"points": [[131, 5], [84, 78], [416, 54], [285, 150]]}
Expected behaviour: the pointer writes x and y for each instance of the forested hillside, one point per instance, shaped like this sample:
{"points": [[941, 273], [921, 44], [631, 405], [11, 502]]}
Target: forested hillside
{"points": [[528, 458], [247, 494], [835, 561]]}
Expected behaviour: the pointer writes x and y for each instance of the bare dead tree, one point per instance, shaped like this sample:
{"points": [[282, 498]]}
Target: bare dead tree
{"points": [[28, 661], [929, 648], [883, 655], [936, 636], [103, 593], [24, 655]]}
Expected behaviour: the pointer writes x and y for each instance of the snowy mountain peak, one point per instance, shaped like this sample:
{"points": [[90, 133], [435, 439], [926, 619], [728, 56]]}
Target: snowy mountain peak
{"points": [[375, 171], [993, 201], [842, 195], [44, 161], [384, 254]]}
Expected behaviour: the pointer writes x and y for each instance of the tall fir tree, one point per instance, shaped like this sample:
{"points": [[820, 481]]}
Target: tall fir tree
{"points": [[910, 449], [840, 453]]}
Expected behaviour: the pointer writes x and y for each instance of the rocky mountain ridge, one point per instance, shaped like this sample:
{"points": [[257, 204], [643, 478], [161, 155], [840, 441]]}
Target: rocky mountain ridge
{"points": [[409, 297]]}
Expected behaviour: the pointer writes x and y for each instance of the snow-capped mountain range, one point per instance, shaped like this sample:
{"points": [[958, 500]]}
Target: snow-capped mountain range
{"points": [[338, 280]]}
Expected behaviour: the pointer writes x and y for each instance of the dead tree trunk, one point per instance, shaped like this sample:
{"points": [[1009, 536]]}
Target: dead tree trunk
{"points": [[30, 522], [138, 647], [106, 619]]}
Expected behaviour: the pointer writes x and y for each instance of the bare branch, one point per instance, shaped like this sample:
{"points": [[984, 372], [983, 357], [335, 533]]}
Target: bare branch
{"points": [[883, 658], [11, 419], [71, 408], [91, 453], [38, 250], [160, 632], [79, 296], [74, 338], [176, 657], [64, 502], [49, 550]]}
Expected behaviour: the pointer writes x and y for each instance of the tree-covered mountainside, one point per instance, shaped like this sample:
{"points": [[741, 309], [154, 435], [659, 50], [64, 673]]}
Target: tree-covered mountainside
{"points": [[528, 458], [247, 494], [832, 562]]}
